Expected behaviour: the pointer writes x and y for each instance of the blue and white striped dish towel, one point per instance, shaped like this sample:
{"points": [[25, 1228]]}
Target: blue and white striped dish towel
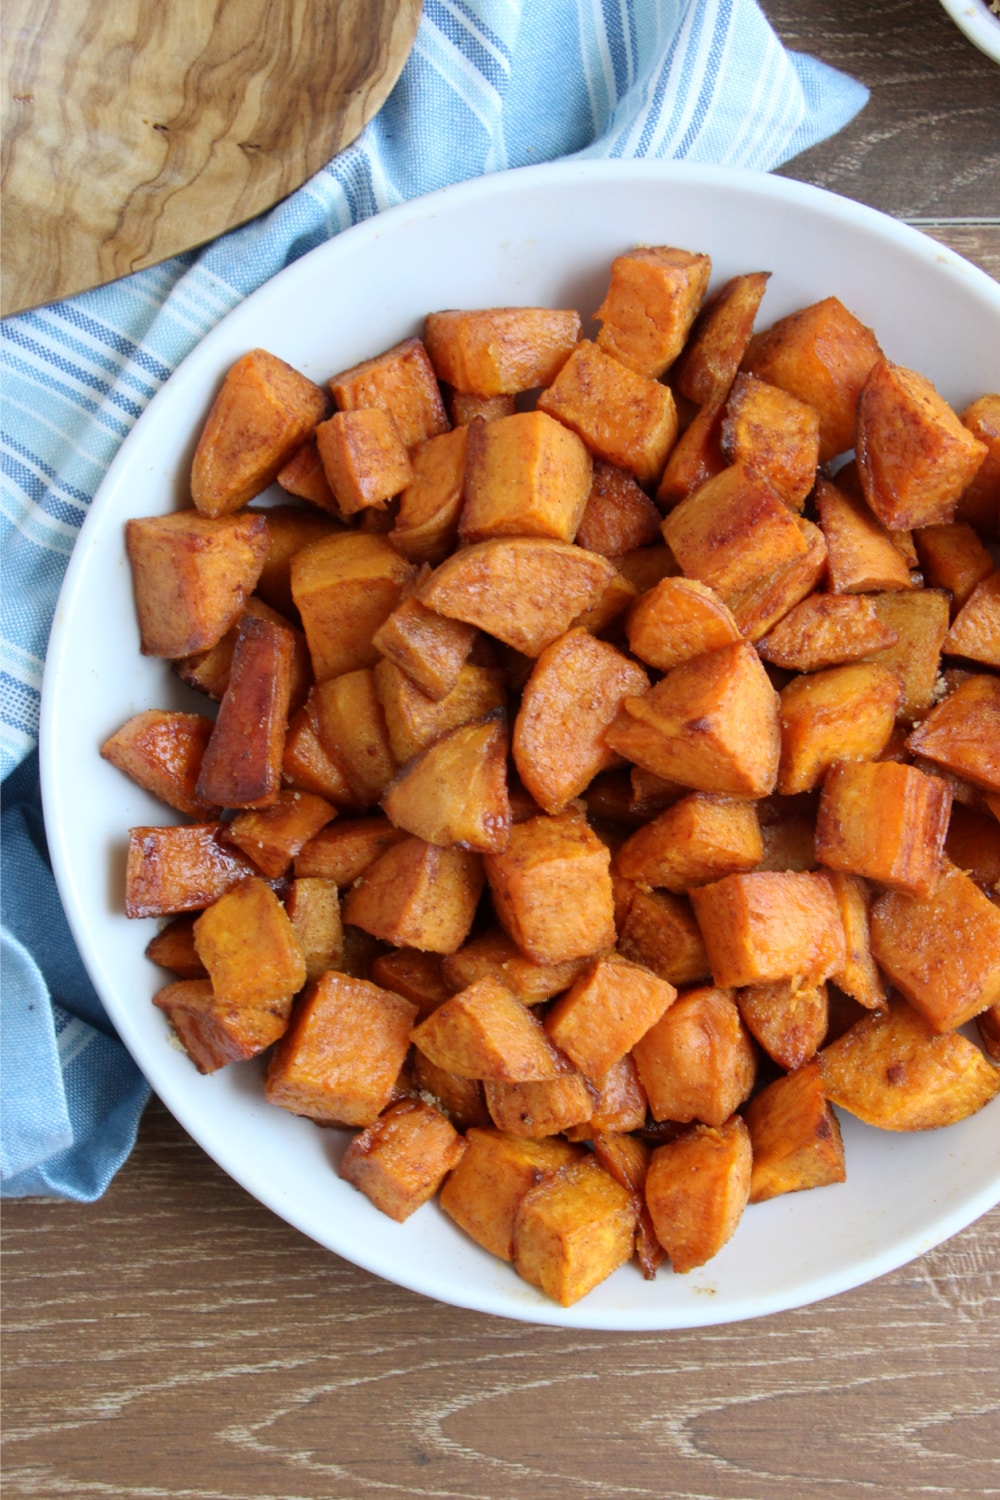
{"points": [[490, 84]]}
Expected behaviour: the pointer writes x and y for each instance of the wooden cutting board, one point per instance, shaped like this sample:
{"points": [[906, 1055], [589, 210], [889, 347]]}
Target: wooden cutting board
{"points": [[136, 129]]}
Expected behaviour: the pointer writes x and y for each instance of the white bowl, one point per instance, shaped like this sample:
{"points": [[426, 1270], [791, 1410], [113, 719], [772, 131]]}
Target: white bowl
{"points": [[542, 235], [978, 22]]}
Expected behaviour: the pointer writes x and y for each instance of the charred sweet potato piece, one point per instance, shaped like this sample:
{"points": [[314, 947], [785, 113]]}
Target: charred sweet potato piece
{"points": [[572, 695], [605, 1012], [495, 954], [952, 557], [618, 515], [344, 587], [551, 888], [214, 1031], [241, 766], [191, 575], [860, 552], [430, 649], [654, 295], [500, 351], [363, 458], [697, 1187], [303, 476], [209, 671], [624, 417], [272, 836], [795, 1137], [894, 1071], [842, 713], [455, 791], [914, 941], [859, 977], [822, 354], [352, 729], [414, 721], [677, 619], [697, 1062], [483, 1191], [884, 821], [540, 1107], [486, 1032], [344, 851], [400, 1161], [173, 948], [525, 475], [733, 531], [402, 382], [264, 411], [430, 505], [572, 1230], [711, 724], [826, 630], [313, 907], [770, 925], [659, 930], [975, 632], [340, 1057], [789, 1020], [980, 501], [248, 945], [915, 457], [699, 839], [289, 529], [525, 591], [718, 339], [962, 733], [170, 870], [416, 895], [773, 434], [162, 751]]}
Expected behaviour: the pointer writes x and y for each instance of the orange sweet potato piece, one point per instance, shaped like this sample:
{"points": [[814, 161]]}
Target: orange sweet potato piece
{"points": [[860, 976], [842, 713], [551, 888], [430, 505], [540, 1107], [718, 339], [697, 1062], [697, 1187], [455, 791], [975, 632], [695, 458], [659, 930], [400, 1161], [884, 821], [173, 948], [484, 1190], [627, 1158], [351, 726], [774, 434], [795, 1137], [214, 1031], [962, 733], [241, 766], [920, 619], [733, 531], [618, 516], [416, 895], [605, 1012], [414, 975], [915, 457], [770, 925], [209, 671], [952, 557], [573, 1230], [759, 606], [344, 587], [264, 411], [339, 1060], [654, 294], [788, 1019], [973, 844], [303, 476], [698, 839], [500, 351], [892, 1070], [289, 529], [162, 751], [463, 407], [191, 576], [305, 764], [461, 1099], [677, 619], [860, 552], [625, 418], [619, 1103], [525, 475], [363, 458], [344, 851], [313, 907], [430, 649], [414, 721], [486, 1032], [495, 954], [980, 502], [572, 695], [272, 836], [248, 945], [826, 630], [988, 1023], [402, 382], [170, 870]]}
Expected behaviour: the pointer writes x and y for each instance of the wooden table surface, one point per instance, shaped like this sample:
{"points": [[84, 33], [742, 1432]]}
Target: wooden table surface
{"points": [[176, 1339]]}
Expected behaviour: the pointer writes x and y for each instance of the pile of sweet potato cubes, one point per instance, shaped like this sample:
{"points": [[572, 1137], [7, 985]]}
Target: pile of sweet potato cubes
{"points": [[605, 780]]}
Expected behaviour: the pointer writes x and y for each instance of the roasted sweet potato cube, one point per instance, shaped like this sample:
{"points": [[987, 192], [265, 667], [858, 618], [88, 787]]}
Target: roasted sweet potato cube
{"points": [[973, 844], [430, 505], [304, 477], [826, 630], [718, 339], [711, 724], [272, 836], [952, 557], [363, 458], [263, 412], [191, 575], [461, 1099], [795, 1137], [525, 591], [494, 954], [170, 870], [173, 948], [620, 1103], [659, 930], [654, 295], [695, 458], [611, 605], [980, 501], [699, 839], [540, 1107], [430, 649], [571, 697], [414, 975], [486, 1032], [822, 354], [920, 619], [401, 382], [770, 925], [242, 763], [962, 733], [248, 945], [214, 1031], [860, 976], [573, 1230], [625, 418], [618, 515], [677, 619], [401, 1160], [305, 764], [915, 457], [733, 531], [914, 942], [649, 795], [344, 851], [605, 1012], [789, 1020], [414, 721], [500, 351], [843, 713], [551, 888], [758, 607], [209, 671], [289, 529], [339, 1059], [463, 407], [313, 907], [455, 791], [344, 587], [893, 1070], [697, 1187], [697, 1062], [525, 475], [352, 729], [860, 552], [417, 895], [161, 751], [975, 632], [884, 821], [774, 434], [484, 1190]]}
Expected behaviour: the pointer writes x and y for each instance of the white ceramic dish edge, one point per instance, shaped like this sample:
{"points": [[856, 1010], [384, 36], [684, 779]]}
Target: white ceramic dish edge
{"points": [[979, 24]]}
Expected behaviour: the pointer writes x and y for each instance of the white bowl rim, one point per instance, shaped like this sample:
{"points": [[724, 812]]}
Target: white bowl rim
{"points": [[978, 23]]}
